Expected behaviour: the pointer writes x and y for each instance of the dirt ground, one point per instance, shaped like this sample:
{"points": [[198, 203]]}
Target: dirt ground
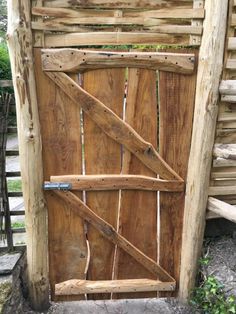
{"points": [[222, 253]]}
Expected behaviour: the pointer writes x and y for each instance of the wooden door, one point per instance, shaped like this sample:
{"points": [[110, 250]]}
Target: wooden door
{"points": [[115, 229]]}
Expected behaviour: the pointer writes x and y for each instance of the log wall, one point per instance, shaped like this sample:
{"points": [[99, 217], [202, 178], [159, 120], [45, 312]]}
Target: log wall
{"points": [[223, 173]]}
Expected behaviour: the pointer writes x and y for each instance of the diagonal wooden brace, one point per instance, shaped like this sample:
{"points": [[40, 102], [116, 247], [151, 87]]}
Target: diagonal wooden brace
{"points": [[114, 127], [112, 235]]}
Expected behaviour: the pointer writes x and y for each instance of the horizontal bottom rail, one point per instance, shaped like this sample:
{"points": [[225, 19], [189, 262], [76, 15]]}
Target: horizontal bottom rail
{"points": [[76, 286]]}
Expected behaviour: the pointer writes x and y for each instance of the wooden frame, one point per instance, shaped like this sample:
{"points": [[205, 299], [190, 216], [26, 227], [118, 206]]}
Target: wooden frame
{"points": [[206, 110]]}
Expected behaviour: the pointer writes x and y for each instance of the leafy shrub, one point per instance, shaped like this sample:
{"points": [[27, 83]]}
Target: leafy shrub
{"points": [[209, 297], [5, 67]]}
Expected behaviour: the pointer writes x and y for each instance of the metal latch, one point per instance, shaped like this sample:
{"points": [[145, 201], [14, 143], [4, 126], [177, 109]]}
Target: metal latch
{"points": [[57, 186]]}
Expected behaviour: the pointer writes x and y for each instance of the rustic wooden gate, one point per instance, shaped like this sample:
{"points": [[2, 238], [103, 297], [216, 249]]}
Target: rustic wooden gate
{"points": [[114, 133]]}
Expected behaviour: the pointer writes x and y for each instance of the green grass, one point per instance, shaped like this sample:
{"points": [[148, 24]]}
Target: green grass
{"points": [[17, 225], [14, 185]]}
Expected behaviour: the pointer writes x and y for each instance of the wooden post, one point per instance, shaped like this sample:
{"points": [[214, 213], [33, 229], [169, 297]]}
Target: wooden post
{"points": [[206, 109], [20, 49]]}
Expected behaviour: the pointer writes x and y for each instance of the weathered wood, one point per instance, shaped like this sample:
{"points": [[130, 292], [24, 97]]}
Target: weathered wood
{"points": [[102, 155], [111, 234], [157, 4], [176, 95], [225, 174], [222, 162], [225, 136], [228, 98], [223, 182], [111, 38], [20, 48], [75, 286], [103, 17], [150, 25], [233, 20], [62, 153], [227, 117], [74, 60], [231, 64], [228, 87], [211, 215], [113, 126], [222, 209], [116, 182], [232, 43], [222, 190], [227, 151], [205, 116], [139, 226], [197, 4]]}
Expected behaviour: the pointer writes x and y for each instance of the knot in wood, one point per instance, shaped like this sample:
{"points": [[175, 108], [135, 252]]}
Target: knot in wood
{"points": [[148, 150], [108, 230]]}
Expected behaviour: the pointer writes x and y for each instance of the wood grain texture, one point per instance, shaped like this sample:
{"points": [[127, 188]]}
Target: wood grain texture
{"points": [[205, 116], [110, 24], [113, 126], [96, 16], [111, 38], [19, 37], [61, 142], [75, 286], [177, 95], [112, 235], [157, 4], [117, 182], [74, 60], [139, 226], [102, 156], [222, 209]]}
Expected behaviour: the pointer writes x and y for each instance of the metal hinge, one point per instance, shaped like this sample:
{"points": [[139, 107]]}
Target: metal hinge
{"points": [[57, 186]]}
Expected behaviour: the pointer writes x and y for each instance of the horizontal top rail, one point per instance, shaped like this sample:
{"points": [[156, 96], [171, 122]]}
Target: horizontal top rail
{"points": [[131, 4], [74, 60]]}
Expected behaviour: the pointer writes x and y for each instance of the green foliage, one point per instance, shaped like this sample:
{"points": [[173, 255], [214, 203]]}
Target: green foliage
{"points": [[18, 225], [14, 185], [5, 67], [3, 18], [209, 297]]}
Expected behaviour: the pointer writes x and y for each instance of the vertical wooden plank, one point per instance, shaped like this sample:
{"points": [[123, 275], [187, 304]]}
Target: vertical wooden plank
{"points": [[61, 142], [102, 156], [138, 209], [177, 93]]}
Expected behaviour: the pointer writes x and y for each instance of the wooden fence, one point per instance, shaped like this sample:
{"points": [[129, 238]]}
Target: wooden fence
{"points": [[7, 104]]}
